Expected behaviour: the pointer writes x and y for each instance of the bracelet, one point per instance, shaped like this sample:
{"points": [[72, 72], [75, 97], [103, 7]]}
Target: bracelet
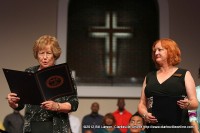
{"points": [[188, 105], [58, 107], [144, 115]]}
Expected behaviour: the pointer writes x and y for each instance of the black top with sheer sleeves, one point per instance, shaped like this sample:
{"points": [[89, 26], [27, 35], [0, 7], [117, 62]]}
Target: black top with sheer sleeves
{"points": [[60, 120]]}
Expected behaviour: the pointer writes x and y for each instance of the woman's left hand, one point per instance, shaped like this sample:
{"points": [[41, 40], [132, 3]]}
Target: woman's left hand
{"points": [[184, 104], [50, 105]]}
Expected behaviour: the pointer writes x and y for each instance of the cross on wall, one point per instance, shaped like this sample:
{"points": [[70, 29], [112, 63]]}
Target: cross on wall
{"points": [[111, 32]]}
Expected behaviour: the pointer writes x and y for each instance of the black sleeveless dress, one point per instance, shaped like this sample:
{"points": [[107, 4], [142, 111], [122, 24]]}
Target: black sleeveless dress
{"points": [[162, 102]]}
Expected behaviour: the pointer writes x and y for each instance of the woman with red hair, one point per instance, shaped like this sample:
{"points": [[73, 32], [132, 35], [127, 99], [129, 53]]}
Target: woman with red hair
{"points": [[168, 92]]}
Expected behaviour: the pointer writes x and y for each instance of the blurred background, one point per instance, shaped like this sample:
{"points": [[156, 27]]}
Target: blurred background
{"points": [[101, 75]]}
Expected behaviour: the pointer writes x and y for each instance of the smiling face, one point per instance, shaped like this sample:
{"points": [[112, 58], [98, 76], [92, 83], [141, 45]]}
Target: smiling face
{"points": [[46, 57]]}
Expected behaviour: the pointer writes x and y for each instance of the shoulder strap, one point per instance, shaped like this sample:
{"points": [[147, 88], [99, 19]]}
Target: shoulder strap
{"points": [[181, 74], [148, 76], [181, 71]]}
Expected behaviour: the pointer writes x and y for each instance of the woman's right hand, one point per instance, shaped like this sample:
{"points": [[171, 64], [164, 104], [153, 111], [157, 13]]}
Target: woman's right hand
{"points": [[13, 100], [149, 118]]}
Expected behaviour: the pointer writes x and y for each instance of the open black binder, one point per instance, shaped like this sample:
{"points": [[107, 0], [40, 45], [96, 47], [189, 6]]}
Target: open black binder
{"points": [[46, 84]]}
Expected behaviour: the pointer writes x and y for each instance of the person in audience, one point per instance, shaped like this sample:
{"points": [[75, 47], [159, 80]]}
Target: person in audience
{"points": [[2, 131], [1, 127], [50, 116], [122, 116], [14, 122], [194, 115], [88, 131], [136, 124], [93, 119], [75, 123], [109, 125]]}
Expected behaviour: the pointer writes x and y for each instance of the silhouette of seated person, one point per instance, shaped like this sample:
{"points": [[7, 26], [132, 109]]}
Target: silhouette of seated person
{"points": [[14, 122], [109, 124], [122, 116], [92, 120]]}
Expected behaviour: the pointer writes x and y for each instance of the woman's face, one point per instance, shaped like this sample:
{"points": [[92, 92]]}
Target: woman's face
{"points": [[46, 57], [160, 53], [108, 122]]}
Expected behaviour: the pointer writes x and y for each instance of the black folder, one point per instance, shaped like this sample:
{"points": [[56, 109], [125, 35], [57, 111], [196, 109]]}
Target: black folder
{"points": [[46, 84], [166, 110]]}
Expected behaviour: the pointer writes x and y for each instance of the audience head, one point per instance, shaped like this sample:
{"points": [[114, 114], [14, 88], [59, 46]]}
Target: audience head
{"points": [[88, 131], [136, 123], [95, 107], [121, 104], [109, 120]]}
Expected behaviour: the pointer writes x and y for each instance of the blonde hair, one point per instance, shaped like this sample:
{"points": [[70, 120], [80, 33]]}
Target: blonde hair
{"points": [[45, 40], [173, 51]]}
